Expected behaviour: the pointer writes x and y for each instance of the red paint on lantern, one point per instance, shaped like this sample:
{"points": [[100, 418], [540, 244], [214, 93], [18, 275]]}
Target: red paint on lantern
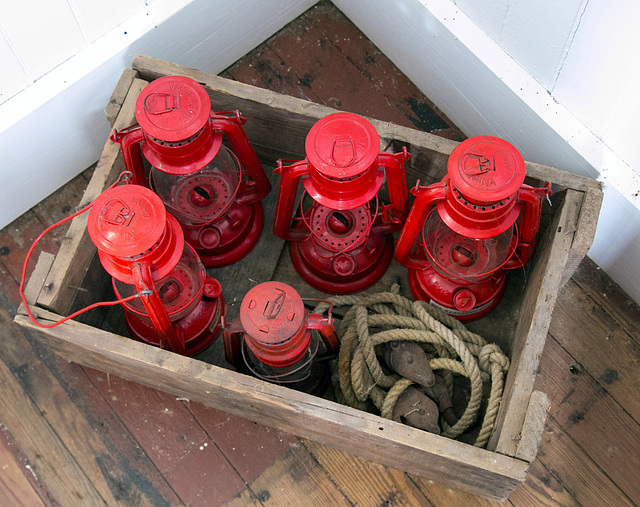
{"points": [[478, 222], [342, 243]]}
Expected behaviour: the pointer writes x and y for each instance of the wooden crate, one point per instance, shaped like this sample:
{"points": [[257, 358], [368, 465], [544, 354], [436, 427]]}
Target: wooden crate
{"points": [[277, 126]]}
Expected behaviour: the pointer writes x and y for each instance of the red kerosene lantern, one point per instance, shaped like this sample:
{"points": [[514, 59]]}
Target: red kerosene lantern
{"points": [[478, 222], [212, 190], [142, 247], [278, 340], [340, 245]]}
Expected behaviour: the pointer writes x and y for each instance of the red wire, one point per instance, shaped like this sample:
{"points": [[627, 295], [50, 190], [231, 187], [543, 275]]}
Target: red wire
{"points": [[24, 275]]}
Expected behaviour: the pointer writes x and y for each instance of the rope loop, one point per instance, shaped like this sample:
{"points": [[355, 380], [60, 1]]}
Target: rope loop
{"points": [[491, 354]]}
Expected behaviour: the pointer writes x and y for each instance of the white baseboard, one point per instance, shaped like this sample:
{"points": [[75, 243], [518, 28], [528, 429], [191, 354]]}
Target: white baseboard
{"points": [[56, 128], [484, 91]]}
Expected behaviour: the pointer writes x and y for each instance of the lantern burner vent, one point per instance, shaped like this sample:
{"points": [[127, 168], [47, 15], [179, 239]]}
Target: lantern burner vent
{"points": [[489, 207], [175, 144]]}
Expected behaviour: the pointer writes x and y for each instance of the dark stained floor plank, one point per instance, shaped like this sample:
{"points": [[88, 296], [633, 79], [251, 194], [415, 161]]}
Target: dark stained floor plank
{"points": [[591, 419], [60, 205], [582, 326], [45, 445], [173, 439], [570, 465], [609, 296], [16, 240], [18, 486], [442, 496], [250, 447], [116, 475], [542, 488], [265, 69]]}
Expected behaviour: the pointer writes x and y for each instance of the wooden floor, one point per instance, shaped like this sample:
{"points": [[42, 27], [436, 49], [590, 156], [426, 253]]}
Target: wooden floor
{"points": [[132, 445]]}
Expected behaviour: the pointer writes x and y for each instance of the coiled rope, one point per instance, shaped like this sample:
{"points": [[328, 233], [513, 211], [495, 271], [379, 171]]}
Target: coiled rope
{"points": [[383, 317]]}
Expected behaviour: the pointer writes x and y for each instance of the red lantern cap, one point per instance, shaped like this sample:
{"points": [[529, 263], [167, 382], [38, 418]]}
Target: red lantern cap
{"points": [[129, 224], [126, 221], [173, 108], [486, 169], [342, 149], [342, 145], [273, 317]]}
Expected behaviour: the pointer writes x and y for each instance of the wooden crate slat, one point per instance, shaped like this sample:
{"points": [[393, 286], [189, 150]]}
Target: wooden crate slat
{"points": [[531, 332], [119, 95], [533, 426], [585, 230]]}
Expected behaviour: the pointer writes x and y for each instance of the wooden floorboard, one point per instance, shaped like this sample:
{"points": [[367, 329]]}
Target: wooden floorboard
{"points": [[75, 436]]}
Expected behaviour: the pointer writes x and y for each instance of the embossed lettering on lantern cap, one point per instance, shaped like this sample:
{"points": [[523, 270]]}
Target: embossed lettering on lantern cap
{"points": [[479, 164], [186, 113], [116, 212], [142, 205], [487, 167], [479, 169]]}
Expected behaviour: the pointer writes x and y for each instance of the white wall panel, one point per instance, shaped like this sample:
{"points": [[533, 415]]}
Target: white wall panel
{"points": [[13, 77], [490, 16], [44, 33], [537, 34], [622, 132], [97, 17], [601, 72]]}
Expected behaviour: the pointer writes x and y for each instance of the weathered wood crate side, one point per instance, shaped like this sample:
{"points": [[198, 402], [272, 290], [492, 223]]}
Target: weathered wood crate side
{"points": [[277, 128]]}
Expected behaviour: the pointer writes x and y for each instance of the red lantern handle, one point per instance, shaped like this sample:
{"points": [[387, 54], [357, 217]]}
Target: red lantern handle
{"points": [[129, 140], [287, 192], [325, 328], [258, 185], [393, 164], [170, 336], [530, 199], [425, 198]]}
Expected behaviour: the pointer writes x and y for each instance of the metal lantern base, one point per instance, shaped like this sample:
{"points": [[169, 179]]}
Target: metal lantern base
{"points": [[464, 301], [345, 273], [200, 327], [229, 239]]}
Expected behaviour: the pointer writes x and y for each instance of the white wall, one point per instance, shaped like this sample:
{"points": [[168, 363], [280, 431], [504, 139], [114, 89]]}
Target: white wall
{"points": [[556, 79], [55, 127], [38, 35]]}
